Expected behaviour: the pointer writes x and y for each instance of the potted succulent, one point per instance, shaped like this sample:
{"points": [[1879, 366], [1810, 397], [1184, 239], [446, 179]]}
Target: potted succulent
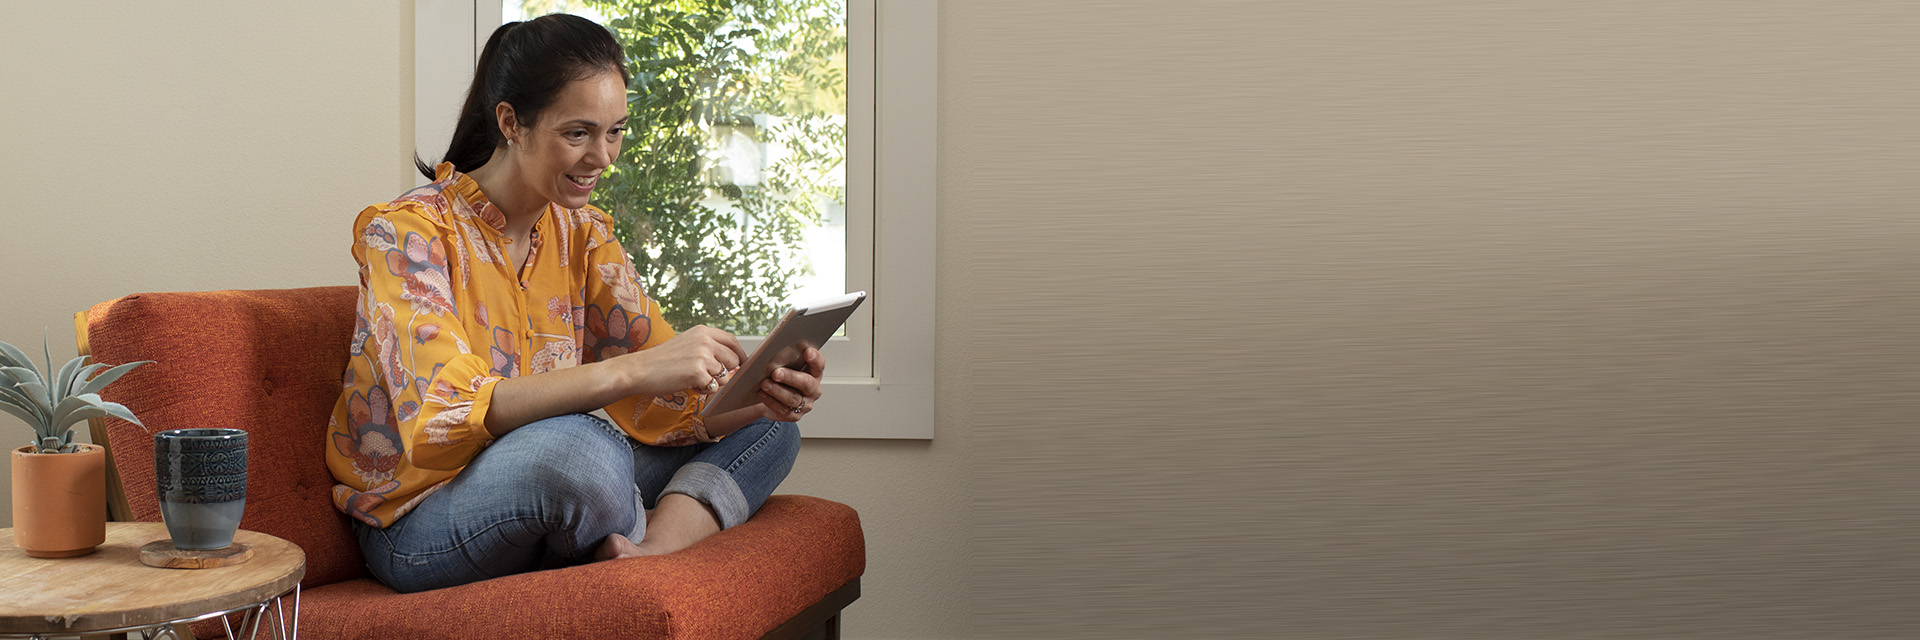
{"points": [[59, 486]]}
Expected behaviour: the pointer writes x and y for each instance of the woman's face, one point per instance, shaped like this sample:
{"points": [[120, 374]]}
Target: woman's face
{"points": [[577, 137]]}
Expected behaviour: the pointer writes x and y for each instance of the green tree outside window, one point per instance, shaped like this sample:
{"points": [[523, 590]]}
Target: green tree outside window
{"points": [[718, 239]]}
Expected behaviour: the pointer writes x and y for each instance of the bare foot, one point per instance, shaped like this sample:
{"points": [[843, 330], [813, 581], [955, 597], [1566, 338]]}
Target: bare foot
{"points": [[617, 546], [676, 523]]}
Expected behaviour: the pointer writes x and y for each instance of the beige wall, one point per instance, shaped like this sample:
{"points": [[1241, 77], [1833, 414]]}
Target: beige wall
{"points": [[153, 147], [1387, 318], [1414, 319]]}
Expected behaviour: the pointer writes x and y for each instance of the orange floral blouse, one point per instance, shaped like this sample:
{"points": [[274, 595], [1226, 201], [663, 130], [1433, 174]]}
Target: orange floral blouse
{"points": [[442, 317]]}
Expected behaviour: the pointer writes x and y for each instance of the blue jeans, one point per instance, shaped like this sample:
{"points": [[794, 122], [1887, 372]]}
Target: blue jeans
{"points": [[546, 494]]}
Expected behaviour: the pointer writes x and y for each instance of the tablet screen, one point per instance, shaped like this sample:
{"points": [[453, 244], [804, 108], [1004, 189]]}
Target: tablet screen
{"points": [[808, 325]]}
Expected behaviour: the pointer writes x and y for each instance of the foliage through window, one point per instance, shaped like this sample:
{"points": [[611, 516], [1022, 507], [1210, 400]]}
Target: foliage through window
{"points": [[730, 189]]}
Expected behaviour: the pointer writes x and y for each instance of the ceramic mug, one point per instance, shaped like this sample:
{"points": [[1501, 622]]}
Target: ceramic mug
{"points": [[202, 478]]}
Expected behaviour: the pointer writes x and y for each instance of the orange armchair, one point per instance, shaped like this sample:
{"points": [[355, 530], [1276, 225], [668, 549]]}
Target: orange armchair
{"points": [[270, 362]]}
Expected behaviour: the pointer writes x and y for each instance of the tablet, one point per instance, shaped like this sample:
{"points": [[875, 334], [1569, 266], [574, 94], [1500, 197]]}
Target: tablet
{"points": [[804, 326]]}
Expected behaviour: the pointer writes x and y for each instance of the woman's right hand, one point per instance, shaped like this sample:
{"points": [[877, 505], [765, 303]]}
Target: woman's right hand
{"points": [[694, 359]]}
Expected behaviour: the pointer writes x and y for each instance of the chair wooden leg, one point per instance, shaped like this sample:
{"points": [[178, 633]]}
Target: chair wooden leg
{"points": [[820, 621]]}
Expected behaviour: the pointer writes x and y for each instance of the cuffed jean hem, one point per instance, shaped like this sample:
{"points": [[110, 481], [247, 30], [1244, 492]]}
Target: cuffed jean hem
{"points": [[640, 515], [711, 485]]}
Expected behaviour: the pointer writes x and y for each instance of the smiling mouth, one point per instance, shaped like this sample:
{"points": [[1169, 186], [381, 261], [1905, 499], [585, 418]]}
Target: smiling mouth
{"points": [[586, 181]]}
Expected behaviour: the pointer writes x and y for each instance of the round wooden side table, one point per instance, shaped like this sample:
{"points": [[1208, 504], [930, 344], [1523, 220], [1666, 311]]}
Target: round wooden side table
{"points": [[110, 592]]}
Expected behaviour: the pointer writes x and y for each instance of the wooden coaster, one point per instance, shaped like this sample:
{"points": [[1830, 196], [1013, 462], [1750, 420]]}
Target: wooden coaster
{"points": [[161, 553]]}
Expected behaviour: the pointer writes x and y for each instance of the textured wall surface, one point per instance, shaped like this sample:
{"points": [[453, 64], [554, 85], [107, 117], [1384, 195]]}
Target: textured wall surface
{"points": [[153, 147], [1414, 319]]}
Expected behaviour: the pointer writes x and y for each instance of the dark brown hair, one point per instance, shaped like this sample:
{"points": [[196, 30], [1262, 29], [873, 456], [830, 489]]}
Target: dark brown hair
{"points": [[525, 64]]}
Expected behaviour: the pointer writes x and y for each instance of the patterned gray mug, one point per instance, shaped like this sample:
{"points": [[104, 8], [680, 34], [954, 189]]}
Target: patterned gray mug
{"points": [[202, 478]]}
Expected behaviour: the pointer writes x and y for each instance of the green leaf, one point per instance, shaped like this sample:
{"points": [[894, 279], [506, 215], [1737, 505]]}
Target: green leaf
{"points": [[69, 406], [101, 382], [120, 411], [32, 419], [21, 375], [9, 396], [64, 383], [12, 357], [80, 377], [82, 413], [39, 393], [47, 353], [10, 390], [96, 409]]}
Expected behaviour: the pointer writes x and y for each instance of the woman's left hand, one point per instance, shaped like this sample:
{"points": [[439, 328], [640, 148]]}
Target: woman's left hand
{"points": [[788, 394]]}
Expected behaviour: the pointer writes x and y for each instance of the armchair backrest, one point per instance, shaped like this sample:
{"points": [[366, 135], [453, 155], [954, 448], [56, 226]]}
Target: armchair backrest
{"points": [[269, 362]]}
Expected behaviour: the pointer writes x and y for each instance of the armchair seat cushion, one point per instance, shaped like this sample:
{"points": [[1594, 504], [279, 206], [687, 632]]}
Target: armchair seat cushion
{"points": [[794, 552]]}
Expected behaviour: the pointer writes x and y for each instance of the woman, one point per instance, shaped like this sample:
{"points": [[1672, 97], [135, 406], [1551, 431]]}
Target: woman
{"points": [[496, 309]]}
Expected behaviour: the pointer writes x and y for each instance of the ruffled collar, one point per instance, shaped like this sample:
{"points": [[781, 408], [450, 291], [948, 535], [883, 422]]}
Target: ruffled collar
{"points": [[467, 201]]}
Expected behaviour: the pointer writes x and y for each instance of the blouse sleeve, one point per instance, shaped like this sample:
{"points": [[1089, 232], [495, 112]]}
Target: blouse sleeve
{"points": [[620, 319], [416, 344]]}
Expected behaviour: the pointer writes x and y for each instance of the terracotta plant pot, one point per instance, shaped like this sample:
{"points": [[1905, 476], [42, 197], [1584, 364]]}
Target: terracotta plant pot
{"points": [[59, 501]]}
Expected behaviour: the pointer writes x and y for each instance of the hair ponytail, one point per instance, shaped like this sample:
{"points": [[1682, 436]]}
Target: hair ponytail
{"points": [[525, 64]]}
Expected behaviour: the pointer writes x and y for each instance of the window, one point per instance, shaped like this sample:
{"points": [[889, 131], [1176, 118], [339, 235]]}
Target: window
{"points": [[881, 371], [731, 191]]}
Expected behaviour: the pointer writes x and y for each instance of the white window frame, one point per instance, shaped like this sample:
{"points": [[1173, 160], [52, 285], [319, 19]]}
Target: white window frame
{"points": [[892, 74]]}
